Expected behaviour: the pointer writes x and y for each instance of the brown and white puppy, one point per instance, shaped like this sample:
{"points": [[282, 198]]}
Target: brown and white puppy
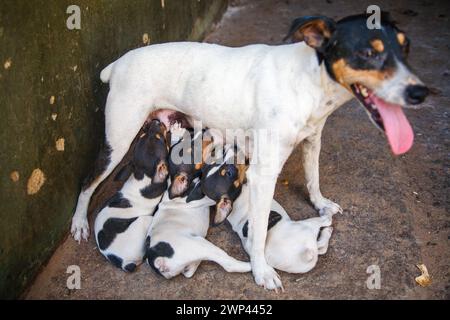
{"points": [[121, 226]]}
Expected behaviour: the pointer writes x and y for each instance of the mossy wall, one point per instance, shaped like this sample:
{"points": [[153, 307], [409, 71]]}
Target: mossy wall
{"points": [[51, 109]]}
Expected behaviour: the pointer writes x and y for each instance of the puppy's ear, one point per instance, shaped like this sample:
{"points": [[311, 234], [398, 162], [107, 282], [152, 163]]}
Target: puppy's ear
{"points": [[124, 173], [242, 177], [223, 209], [316, 31], [195, 194]]}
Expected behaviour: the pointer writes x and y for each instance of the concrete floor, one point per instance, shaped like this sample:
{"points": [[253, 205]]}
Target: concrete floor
{"points": [[396, 209]]}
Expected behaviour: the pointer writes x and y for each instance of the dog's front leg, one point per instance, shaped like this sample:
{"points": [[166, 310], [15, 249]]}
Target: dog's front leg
{"points": [[311, 153], [262, 187]]}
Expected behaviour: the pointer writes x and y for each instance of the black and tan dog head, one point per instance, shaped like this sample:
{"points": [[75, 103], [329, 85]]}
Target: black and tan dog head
{"points": [[371, 64], [187, 157], [222, 182], [150, 154]]}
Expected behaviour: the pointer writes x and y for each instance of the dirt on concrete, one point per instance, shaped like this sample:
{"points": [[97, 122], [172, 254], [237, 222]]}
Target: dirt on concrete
{"points": [[396, 209]]}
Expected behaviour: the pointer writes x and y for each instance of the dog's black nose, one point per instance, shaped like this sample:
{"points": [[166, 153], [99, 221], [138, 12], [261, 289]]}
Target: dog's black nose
{"points": [[415, 94]]}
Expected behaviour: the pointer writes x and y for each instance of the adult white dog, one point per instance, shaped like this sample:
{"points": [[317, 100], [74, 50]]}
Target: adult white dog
{"points": [[291, 88]]}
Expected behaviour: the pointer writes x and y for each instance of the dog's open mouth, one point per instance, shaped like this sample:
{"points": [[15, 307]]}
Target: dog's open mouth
{"points": [[387, 117]]}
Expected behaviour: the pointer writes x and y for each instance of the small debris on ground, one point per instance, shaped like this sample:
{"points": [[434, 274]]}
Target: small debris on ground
{"points": [[424, 279]]}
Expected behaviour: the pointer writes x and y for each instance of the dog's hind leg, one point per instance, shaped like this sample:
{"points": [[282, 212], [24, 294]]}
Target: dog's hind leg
{"points": [[205, 250], [124, 117], [324, 239], [311, 153]]}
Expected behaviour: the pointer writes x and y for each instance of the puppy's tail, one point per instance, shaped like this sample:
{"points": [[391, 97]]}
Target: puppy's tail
{"points": [[105, 75]]}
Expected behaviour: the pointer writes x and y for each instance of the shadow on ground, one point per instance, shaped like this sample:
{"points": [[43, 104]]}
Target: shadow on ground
{"points": [[396, 209]]}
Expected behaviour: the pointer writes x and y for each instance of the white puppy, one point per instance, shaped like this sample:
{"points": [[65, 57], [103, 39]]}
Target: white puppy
{"points": [[291, 246]]}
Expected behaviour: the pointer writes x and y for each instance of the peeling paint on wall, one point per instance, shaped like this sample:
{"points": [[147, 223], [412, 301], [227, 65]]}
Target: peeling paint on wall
{"points": [[7, 64], [35, 182], [14, 176], [59, 144]]}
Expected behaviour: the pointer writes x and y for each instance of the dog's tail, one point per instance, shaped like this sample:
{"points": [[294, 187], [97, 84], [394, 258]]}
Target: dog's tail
{"points": [[105, 75]]}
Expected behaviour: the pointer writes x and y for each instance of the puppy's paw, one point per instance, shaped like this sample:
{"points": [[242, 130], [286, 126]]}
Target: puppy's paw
{"points": [[268, 278], [80, 228], [176, 131], [162, 264], [327, 220], [327, 207]]}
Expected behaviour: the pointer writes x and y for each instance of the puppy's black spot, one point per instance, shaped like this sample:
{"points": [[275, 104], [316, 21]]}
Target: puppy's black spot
{"points": [[118, 201], [146, 246], [154, 190], [131, 267], [111, 228], [274, 217], [115, 260], [195, 194], [161, 249]]}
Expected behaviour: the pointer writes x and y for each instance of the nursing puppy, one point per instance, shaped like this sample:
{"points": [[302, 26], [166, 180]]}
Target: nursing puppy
{"points": [[121, 226], [291, 246], [176, 240]]}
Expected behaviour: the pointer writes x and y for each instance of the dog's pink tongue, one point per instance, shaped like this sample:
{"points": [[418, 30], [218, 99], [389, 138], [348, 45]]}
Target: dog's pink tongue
{"points": [[398, 130]]}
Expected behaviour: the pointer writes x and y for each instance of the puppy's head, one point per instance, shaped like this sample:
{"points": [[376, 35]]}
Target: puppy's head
{"points": [[223, 183], [150, 155], [187, 157], [369, 63]]}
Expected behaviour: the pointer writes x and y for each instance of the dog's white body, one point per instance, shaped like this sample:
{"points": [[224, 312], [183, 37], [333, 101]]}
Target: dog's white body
{"points": [[291, 246], [281, 88], [128, 245], [183, 226]]}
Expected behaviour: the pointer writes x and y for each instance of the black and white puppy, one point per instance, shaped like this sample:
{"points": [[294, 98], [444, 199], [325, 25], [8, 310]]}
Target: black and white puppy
{"points": [[176, 241], [291, 246], [121, 226]]}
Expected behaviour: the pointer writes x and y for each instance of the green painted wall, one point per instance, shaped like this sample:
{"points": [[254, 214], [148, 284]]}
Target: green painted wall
{"points": [[50, 89]]}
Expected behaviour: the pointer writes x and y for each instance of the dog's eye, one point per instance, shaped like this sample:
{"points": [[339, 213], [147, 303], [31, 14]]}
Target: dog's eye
{"points": [[231, 171]]}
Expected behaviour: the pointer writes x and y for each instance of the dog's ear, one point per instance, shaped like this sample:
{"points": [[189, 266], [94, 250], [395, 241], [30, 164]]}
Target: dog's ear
{"points": [[195, 194], [124, 173], [316, 31]]}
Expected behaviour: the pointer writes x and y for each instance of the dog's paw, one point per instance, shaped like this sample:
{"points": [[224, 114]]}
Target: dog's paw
{"points": [[80, 228], [327, 231], [327, 220], [327, 207], [162, 265], [176, 131], [268, 278]]}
